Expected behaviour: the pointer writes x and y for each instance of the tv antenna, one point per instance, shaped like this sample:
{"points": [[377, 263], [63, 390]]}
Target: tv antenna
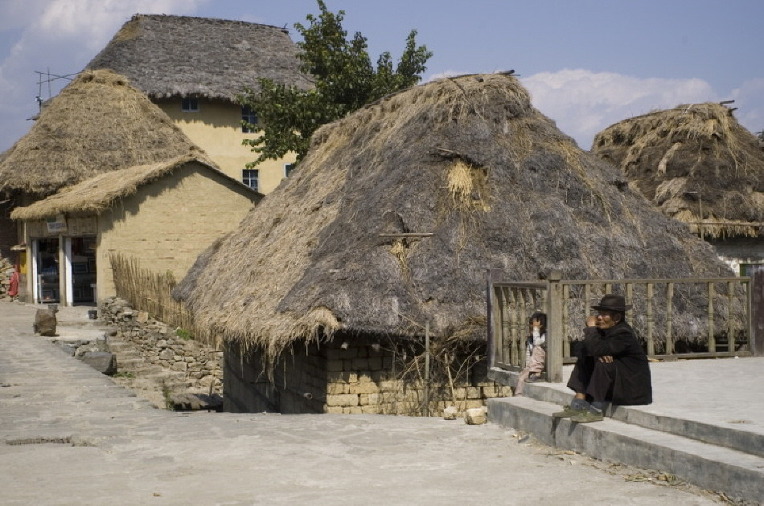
{"points": [[44, 79]]}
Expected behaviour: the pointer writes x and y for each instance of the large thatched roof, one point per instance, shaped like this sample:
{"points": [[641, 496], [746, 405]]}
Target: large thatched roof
{"points": [[97, 124], [186, 56], [98, 193], [695, 162], [466, 159]]}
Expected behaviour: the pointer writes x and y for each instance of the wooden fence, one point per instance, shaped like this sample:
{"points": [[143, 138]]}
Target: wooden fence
{"points": [[674, 318], [149, 291]]}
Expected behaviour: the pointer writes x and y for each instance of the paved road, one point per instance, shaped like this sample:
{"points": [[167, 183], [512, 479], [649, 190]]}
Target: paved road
{"points": [[69, 435]]}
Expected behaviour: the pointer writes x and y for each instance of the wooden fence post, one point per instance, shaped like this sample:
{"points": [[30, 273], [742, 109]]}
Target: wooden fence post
{"points": [[555, 332], [757, 310], [491, 307]]}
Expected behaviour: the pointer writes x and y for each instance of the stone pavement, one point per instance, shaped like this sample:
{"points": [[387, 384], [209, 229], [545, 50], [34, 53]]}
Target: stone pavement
{"points": [[69, 435]]}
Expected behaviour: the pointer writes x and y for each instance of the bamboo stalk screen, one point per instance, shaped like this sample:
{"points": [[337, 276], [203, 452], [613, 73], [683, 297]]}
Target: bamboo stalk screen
{"points": [[150, 291]]}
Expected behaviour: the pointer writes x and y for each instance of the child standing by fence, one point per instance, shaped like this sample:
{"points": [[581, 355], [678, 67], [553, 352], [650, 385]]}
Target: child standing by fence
{"points": [[535, 359]]}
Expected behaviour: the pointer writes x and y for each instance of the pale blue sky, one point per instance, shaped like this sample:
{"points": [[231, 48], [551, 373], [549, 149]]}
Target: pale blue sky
{"points": [[587, 63]]}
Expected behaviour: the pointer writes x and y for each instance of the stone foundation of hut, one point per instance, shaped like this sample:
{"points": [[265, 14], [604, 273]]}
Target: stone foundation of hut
{"points": [[350, 376]]}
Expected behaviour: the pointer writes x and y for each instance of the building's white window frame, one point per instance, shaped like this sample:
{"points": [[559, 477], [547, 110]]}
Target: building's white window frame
{"points": [[288, 168], [251, 178], [189, 104]]}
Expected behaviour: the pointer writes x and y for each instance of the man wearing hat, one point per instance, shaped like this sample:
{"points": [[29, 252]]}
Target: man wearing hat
{"points": [[611, 365]]}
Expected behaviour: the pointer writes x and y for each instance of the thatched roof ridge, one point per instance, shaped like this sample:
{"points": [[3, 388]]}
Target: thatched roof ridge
{"points": [[468, 160], [168, 56], [98, 123], [696, 163], [98, 193]]}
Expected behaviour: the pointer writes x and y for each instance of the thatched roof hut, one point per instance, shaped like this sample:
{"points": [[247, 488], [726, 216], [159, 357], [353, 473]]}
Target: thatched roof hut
{"points": [[696, 163], [98, 123], [340, 245], [166, 56], [95, 195]]}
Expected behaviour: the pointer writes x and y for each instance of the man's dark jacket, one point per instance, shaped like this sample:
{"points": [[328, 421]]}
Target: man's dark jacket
{"points": [[633, 384]]}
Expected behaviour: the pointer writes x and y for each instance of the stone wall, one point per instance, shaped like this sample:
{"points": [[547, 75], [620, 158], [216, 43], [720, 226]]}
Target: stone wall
{"points": [[347, 376], [163, 346], [6, 269]]}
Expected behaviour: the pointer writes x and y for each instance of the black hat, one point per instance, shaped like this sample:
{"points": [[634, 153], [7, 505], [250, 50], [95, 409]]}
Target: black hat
{"points": [[612, 302]]}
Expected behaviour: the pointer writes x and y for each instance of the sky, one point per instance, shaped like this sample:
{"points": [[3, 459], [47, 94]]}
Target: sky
{"points": [[586, 63]]}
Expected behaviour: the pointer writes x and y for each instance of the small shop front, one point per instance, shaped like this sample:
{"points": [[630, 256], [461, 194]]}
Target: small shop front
{"points": [[63, 261]]}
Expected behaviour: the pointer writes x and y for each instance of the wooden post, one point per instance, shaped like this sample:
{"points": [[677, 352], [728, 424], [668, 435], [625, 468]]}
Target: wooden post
{"points": [[555, 333], [669, 318], [711, 338], [650, 339], [427, 368], [491, 329], [757, 310], [522, 327], [565, 322], [730, 323]]}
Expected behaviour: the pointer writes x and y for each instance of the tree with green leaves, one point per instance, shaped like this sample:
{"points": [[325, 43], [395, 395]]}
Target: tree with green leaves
{"points": [[344, 81]]}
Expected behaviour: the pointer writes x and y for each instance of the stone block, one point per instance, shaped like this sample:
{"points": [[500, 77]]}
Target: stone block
{"points": [[363, 388], [374, 363], [450, 413], [102, 361], [475, 416], [45, 322], [342, 400], [490, 391], [334, 365], [337, 388], [179, 366], [473, 393], [359, 364]]}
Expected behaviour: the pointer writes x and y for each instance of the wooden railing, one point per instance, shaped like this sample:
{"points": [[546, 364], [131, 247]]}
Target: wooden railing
{"points": [[674, 318]]}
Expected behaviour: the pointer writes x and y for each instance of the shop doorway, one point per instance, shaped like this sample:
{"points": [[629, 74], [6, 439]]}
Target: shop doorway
{"points": [[81, 257], [47, 271]]}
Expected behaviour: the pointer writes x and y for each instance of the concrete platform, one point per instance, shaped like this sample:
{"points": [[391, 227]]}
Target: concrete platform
{"points": [[706, 424], [70, 435]]}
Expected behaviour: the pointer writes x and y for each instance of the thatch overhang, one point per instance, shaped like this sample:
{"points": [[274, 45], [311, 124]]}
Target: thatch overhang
{"points": [[99, 193], [343, 244], [696, 163], [97, 124], [182, 56]]}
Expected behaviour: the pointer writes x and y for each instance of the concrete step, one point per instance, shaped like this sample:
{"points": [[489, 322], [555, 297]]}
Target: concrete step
{"points": [[734, 472], [734, 434]]}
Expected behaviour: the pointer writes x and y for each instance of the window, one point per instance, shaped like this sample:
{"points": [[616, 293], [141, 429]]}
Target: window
{"points": [[249, 177], [189, 104], [247, 116], [288, 168], [746, 268]]}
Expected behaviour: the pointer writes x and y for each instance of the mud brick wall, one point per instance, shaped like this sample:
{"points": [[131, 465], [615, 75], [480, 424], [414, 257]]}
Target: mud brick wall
{"points": [[350, 376]]}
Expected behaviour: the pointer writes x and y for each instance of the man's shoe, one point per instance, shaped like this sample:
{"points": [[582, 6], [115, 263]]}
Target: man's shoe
{"points": [[568, 412], [587, 417]]}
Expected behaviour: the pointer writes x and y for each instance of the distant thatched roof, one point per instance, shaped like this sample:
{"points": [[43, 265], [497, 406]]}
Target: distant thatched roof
{"points": [[98, 193], [466, 159], [696, 163], [97, 124], [186, 56]]}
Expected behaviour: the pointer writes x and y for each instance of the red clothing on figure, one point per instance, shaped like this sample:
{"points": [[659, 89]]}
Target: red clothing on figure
{"points": [[13, 288]]}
